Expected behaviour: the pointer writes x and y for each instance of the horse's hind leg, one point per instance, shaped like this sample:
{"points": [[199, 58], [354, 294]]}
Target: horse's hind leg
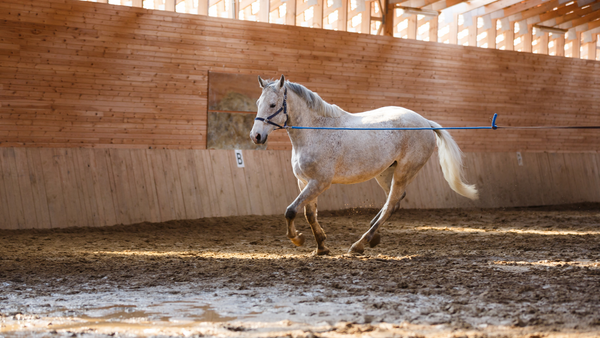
{"points": [[396, 194], [377, 237], [385, 182], [400, 179]]}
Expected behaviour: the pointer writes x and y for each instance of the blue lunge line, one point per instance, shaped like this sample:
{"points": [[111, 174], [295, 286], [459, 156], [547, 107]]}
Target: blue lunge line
{"points": [[493, 126]]}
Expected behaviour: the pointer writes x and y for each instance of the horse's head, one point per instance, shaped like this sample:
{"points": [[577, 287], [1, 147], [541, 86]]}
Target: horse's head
{"points": [[272, 110]]}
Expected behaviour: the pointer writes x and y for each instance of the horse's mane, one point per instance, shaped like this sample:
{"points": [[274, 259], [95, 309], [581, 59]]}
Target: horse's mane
{"points": [[313, 100]]}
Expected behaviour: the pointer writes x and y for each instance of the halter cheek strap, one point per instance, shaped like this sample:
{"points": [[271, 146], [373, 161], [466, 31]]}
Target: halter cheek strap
{"points": [[282, 109]]}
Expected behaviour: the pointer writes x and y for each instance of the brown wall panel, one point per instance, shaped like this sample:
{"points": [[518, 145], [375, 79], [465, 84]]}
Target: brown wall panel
{"points": [[125, 186], [82, 74]]}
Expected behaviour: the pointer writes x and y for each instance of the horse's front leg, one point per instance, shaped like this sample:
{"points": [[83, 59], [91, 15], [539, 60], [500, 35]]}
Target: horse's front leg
{"points": [[310, 192], [310, 211]]}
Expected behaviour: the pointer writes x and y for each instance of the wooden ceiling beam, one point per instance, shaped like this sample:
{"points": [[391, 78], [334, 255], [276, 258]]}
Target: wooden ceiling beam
{"points": [[498, 5], [569, 13], [520, 7], [546, 19], [535, 11], [413, 3], [441, 5], [593, 15]]}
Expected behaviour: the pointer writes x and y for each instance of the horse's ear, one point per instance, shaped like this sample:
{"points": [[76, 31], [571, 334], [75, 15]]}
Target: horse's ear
{"points": [[281, 81], [261, 82]]}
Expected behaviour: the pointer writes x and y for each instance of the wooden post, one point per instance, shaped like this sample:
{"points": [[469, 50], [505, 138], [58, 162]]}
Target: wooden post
{"points": [[591, 47], [544, 43], [318, 14], [365, 25], [290, 12], [388, 18], [412, 27], [189, 6], [527, 39], [343, 16], [135, 3], [203, 7], [491, 34], [170, 5], [509, 37], [265, 9], [472, 37], [575, 45], [233, 9], [559, 43], [454, 30], [433, 29]]}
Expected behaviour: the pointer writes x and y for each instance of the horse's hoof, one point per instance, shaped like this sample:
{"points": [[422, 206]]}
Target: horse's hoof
{"points": [[298, 240], [321, 252], [375, 240], [357, 248]]}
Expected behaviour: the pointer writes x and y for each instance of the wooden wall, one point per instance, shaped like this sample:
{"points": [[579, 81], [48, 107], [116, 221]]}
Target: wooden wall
{"points": [[62, 187], [82, 74], [103, 115]]}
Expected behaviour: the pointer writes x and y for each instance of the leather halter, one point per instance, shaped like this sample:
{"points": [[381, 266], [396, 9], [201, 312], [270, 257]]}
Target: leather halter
{"points": [[282, 109]]}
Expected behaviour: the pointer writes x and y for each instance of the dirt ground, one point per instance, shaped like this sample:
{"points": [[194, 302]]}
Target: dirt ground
{"points": [[528, 272]]}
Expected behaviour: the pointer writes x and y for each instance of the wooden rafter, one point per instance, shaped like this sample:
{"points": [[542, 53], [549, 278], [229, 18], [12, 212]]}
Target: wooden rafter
{"points": [[582, 20], [554, 17]]}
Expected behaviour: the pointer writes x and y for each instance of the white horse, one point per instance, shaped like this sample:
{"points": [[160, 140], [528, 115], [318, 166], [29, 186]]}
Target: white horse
{"points": [[324, 157]]}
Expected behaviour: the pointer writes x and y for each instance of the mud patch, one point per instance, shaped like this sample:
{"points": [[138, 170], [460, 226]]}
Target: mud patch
{"points": [[437, 273]]}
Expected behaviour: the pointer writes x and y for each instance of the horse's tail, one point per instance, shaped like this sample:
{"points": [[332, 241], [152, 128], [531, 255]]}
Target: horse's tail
{"points": [[451, 162]]}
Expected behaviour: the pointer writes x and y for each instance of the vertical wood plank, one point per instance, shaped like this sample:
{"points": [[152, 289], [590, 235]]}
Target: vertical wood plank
{"points": [[40, 200], [4, 208], [222, 177], [16, 213], [165, 203], [175, 182], [25, 186], [208, 190], [142, 192], [257, 195], [68, 180], [104, 189], [54, 189], [123, 198], [150, 184], [84, 163], [84, 209], [189, 188], [238, 180]]}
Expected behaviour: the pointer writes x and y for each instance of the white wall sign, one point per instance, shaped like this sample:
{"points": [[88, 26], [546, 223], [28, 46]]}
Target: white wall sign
{"points": [[239, 159]]}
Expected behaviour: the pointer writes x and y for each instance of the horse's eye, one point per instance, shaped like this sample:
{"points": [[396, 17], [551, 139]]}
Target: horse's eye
{"points": [[273, 105]]}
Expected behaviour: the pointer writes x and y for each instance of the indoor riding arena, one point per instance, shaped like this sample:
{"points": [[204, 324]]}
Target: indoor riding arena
{"points": [[134, 202]]}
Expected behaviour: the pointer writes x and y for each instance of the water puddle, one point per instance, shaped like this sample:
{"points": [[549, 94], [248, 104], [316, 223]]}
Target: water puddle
{"points": [[145, 318]]}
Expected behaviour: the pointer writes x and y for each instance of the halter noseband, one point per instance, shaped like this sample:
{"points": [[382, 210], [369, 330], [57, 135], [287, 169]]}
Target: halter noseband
{"points": [[282, 109]]}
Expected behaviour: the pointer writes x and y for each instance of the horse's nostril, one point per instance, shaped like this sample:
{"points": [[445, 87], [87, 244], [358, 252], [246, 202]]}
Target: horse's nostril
{"points": [[257, 137]]}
